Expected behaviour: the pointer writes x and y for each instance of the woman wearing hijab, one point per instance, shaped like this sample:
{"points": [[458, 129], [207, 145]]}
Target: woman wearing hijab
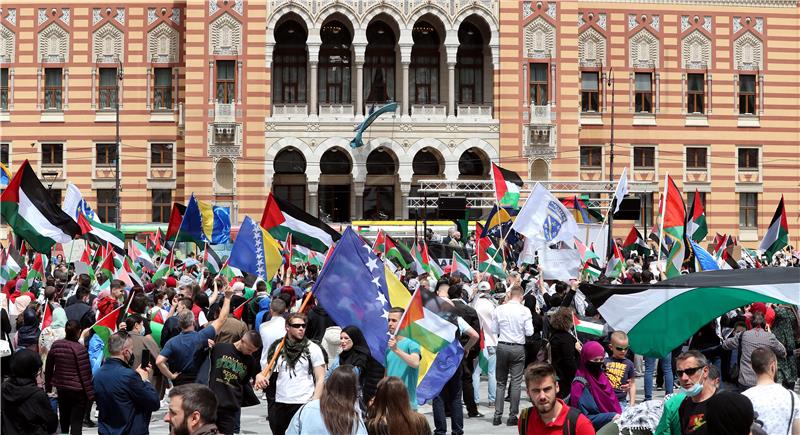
{"points": [[591, 390], [28, 335], [54, 331], [26, 407], [355, 352]]}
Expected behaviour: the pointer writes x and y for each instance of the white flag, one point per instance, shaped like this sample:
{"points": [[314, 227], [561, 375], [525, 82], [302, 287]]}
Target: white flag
{"points": [[561, 264], [544, 217], [622, 188], [74, 203]]}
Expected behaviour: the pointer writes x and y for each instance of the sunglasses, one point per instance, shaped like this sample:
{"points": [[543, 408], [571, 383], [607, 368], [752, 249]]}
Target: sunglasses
{"points": [[621, 349], [689, 371], [298, 325]]}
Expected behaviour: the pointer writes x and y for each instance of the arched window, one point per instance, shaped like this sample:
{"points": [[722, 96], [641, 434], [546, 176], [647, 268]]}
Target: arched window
{"points": [[472, 163], [289, 64], [426, 163], [469, 68], [334, 64], [335, 162], [224, 175], [289, 161], [380, 162], [379, 61], [424, 66]]}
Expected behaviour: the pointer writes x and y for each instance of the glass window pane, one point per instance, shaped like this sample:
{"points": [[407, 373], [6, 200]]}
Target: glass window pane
{"points": [[695, 82], [539, 72], [108, 76], [225, 69], [4, 77], [589, 81], [747, 83], [52, 77], [163, 77], [643, 82]]}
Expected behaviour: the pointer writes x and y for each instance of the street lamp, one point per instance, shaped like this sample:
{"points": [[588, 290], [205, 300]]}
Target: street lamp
{"points": [[609, 246], [118, 218]]}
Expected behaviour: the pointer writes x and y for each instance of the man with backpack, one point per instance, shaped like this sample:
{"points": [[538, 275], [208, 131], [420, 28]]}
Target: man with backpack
{"points": [[469, 315], [549, 415]]}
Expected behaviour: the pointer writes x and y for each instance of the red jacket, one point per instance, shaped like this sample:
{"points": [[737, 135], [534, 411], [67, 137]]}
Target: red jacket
{"points": [[537, 427], [68, 368]]}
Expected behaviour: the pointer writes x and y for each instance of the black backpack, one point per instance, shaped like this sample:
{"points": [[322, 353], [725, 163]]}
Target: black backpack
{"points": [[471, 317], [569, 428]]}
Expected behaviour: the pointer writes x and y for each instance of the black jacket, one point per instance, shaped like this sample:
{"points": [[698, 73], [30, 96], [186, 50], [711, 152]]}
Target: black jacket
{"points": [[26, 409], [80, 312]]}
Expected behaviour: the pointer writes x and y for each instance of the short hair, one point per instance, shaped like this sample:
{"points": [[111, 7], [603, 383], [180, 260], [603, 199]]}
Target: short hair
{"points": [[758, 320], [516, 291], [132, 320], [261, 286], [539, 370], [296, 316], [442, 282], [82, 292], [713, 372], [117, 342], [72, 330], [253, 337], [696, 354], [187, 302], [49, 293], [115, 284], [454, 292], [761, 358], [619, 335], [561, 320], [397, 310], [197, 398], [561, 287], [185, 319], [277, 306]]}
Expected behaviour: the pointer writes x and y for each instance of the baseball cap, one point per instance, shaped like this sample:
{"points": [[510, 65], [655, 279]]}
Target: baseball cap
{"points": [[484, 286]]}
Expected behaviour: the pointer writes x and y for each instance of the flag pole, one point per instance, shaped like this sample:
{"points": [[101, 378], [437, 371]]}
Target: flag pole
{"points": [[661, 223]]}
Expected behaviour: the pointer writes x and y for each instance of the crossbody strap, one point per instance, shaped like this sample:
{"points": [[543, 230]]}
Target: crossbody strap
{"points": [[791, 414]]}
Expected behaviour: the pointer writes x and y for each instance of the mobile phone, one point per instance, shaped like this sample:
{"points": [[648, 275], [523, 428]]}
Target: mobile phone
{"points": [[145, 359]]}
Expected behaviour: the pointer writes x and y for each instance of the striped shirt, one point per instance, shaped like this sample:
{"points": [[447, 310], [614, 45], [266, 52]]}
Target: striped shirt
{"points": [[752, 340]]}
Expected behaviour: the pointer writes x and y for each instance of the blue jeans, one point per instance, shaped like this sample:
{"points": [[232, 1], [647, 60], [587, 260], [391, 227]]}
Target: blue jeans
{"points": [[649, 372], [451, 393], [476, 376]]}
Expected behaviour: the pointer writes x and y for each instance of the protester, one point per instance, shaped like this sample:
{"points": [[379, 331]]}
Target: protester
{"points": [[748, 341], [232, 368], [192, 410], [390, 412], [26, 408], [80, 309], [27, 336], [787, 330], [54, 331], [273, 329], [335, 412], [356, 353], [301, 371], [512, 322], [778, 409], [591, 390], [684, 413], [729, 413], [484, 306], [456, 295], [68, 370], [564, 349], [549, 415], [125, 397], [619, 370], [181, 357], [403, 357]]}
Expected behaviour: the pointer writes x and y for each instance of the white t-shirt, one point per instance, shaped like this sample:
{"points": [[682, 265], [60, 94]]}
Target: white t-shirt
{"points": [[772, 403], [297, 386], [270, 332]]}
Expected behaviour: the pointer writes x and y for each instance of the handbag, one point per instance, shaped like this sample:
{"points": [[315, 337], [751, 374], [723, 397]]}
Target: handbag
{"points": [[5, 348]]}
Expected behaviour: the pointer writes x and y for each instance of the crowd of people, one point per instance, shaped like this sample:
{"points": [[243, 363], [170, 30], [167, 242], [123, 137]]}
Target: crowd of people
{"points": [[200, 348]]}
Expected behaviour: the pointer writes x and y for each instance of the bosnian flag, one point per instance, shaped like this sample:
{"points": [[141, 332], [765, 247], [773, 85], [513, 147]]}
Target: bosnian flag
{"points": [[33, 215], [506, 186], [281, 218]]}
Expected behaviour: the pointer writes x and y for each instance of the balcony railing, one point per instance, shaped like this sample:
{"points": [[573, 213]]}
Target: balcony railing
{"points": [[335, 110], [539, 152], [224, 112], [289, 110], [429, 110], [475, 111], [540, 115]]}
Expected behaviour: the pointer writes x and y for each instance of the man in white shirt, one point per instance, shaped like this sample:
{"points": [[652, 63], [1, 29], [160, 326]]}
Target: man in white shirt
{"points": [[485, 306], [272, 330], [778, 408], [512, 322]]}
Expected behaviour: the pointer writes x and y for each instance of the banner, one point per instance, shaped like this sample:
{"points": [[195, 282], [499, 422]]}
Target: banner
{"points": [[561, 264]]}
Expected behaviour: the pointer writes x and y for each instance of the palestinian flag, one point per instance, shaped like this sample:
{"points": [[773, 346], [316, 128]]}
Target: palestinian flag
{"points": [[635, 242], [673, 215], [507, 185], [659, 317], [35, 272], [211, 260], [696, 227], [616, 264], [460, 265], [33, 215], [490, 260], [287, 250], [47, 316], [158, 244], [654, 237], [10, 265], [587, 327], [777, 236], [137, 252], [102, 234], [396, 250], [230, 272], [165, 269], [107, 267], [588, 260], [483, 356], [751, 257], [175, 220], [107, 326], [281, 218], [379, 247]]}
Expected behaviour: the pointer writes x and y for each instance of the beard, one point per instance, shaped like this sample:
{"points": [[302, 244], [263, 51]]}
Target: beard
{"points": [[179, 429], [544, 408]]}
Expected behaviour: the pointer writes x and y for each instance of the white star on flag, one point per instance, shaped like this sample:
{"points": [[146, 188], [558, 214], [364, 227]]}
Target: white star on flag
{"points": [[365, 246], [381, 298], [372, 264], [376, 281], [385, 315]]}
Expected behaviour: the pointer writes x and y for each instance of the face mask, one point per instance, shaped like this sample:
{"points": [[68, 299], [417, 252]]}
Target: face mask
{"points": [[694, 391], [594, 367], [141, 332]]}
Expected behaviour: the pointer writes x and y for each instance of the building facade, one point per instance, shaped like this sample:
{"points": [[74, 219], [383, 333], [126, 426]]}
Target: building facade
{"points": [[232, 99]]}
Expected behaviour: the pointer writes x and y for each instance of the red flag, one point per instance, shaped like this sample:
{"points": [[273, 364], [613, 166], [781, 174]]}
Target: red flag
{"points": [[287, 249], [380, 243], [175, 219], [84, 224], [47, 316], [239, 311]]}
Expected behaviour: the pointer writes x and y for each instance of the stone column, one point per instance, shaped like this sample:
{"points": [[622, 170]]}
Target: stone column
{"points": [[406, 102], [405, 61], [312, 205], [312, 92], [451, 90], [359, 109], [357, 206], [405, 190]]}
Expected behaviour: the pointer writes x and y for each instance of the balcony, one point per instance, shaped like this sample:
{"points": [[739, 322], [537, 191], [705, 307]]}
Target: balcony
{"points": [[429, 111], [474, 112], [224, 112], [540, 115], [290, 110], [539, 143], [336, 110]]}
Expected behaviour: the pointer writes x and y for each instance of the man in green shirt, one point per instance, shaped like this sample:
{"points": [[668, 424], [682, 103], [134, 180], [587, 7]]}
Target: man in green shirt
{"points": [[403, 357]]}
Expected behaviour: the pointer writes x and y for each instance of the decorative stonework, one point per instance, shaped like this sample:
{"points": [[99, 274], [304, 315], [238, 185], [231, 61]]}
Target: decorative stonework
{"points": [[65, 15], [581, 21], [151, 15], [120, 16], [551, 10], [7, 44], [238, 6], [759, 26], [97, 16], [12, 16], [684, 23], [655, 22], [539, 39], [736, 24], [53, 44], [601, 21], [176, 15], [527, 10], [42, 15], [212, 7], [644, 50], [748, 52], [226, 36], [592, 48], [108, 44], [162, 44], [707, 23], [696, 51], [631, 21]]}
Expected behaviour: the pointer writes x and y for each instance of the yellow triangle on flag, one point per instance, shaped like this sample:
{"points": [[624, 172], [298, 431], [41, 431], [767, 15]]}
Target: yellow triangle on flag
{"points": [[398, 294]]}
